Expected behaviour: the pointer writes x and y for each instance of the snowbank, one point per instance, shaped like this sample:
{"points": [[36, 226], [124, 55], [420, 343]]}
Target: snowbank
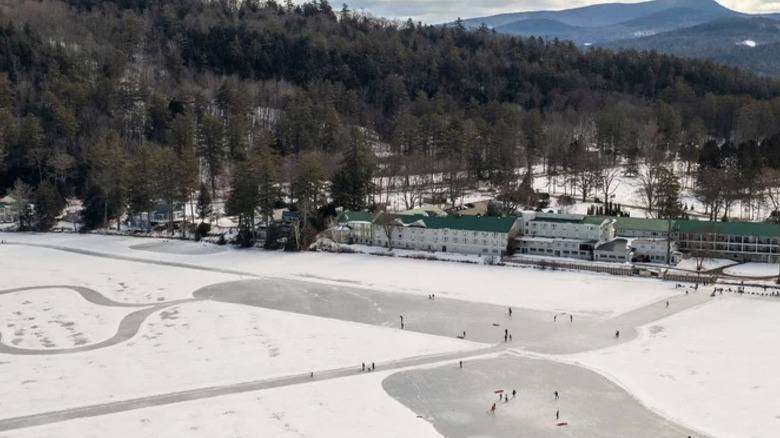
{"points": [[708, 264], [753, 270]]}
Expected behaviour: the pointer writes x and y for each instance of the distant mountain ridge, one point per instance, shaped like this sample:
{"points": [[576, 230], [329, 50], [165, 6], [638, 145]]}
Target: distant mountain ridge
{"points": [[696, 28], [605, 14]]}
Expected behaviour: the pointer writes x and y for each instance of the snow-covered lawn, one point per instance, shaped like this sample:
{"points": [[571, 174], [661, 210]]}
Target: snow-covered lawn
{"points": [[201, 344], [118, 280], [348, 408], [708, 264], [713, 368], [753, 270], [55, 318], [582, 293]]}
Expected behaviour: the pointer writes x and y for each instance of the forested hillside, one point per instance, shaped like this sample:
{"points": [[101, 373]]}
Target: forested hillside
{"points": [[721, 41], [126, 102]]}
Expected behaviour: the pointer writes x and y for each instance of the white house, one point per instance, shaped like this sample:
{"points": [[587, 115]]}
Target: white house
{"points": [[355, 227], [460, 234], [555, 247], [617, 250], [654, 250], [563, 235], [8, 209], [160, 214]]}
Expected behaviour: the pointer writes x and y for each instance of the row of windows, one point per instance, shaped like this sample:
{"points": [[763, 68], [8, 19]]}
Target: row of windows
{"points": [[455, 240], [445, 231]]}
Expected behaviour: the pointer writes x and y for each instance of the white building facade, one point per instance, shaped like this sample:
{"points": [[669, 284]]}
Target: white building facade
{"points": [[458, 234], [562, 235]]}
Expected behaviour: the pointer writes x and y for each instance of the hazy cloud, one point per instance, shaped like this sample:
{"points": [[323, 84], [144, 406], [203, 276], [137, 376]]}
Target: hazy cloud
{"points": [[441, 11]]}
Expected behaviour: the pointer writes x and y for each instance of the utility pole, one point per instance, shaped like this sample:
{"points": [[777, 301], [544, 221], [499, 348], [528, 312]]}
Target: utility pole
{"points": [[669, 240]]}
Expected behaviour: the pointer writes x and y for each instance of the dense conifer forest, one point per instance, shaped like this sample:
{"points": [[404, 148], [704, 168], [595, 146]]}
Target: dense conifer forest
{"points": [[127, 102]]}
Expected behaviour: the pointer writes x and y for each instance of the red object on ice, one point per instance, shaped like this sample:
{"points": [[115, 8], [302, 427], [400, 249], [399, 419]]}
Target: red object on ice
{"points": [[459, 337], [499, 391], [563, 424], [496, 325]]}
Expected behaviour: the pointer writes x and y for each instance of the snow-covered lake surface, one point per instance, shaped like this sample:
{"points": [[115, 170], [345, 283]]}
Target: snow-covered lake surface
{"points": [[244, 362], [334, 408], [602, 295], [55, 318], [713, 367]]}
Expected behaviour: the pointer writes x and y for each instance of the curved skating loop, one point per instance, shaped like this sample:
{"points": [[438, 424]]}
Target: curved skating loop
{"points": [[128, 327]]}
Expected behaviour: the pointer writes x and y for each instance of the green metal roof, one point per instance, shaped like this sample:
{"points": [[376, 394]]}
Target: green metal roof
{"points": [[470, 223], [355, 216], [557, 220], [594, 220], [756, 229], [638, 223]]}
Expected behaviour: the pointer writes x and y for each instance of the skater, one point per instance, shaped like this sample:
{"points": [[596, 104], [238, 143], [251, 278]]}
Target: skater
{"points": [[506, 332], [402, 325], [363, 366], [514, 393], [506, 337], [311, 374], [571, 318], [557, 414], [493, 409], [464, 334], [617, 333], [510, 311], [667, 304], [461, 364], [555, 318], [500, 396], [556, 395], [372, 366], [433, 296], [402, 319], [510, 337]]}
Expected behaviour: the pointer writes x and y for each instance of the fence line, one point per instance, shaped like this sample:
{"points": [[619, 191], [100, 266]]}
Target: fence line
{"points": [[614, 270], [554, 264]]}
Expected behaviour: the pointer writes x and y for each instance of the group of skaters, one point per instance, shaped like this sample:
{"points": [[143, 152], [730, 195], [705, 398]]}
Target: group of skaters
{"points": [[504, 397], [741, 290], [369, 368], [571, 317]]}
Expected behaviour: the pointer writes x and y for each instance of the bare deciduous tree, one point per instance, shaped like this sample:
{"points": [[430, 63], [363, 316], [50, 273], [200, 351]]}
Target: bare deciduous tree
{"points": [[710, 191], [607, 181]]}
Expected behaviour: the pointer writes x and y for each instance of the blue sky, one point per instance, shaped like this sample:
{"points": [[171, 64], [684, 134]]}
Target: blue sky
{"points": [[439, 11]]}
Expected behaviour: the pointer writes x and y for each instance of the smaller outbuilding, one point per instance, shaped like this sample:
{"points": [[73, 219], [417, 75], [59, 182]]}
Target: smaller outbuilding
{"points": [[617, 250]]}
